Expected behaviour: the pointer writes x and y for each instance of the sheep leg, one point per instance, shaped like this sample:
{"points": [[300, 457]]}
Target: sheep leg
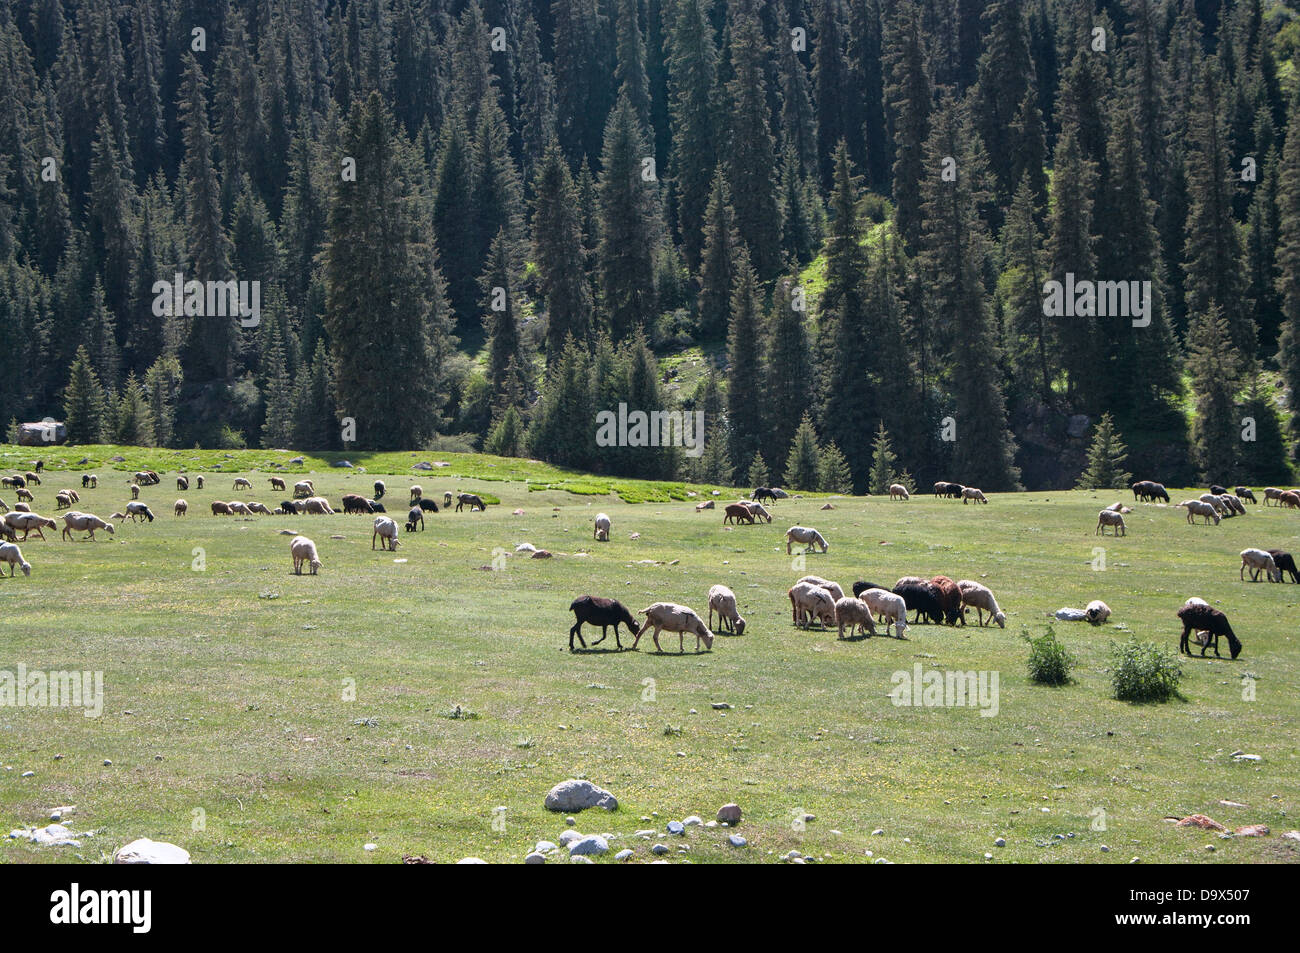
{"points": [[604, 631]]}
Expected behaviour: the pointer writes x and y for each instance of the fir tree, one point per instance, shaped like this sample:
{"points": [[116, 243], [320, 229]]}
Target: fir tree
{"points": [[744, 364], [83, 401], [1106, 456], [883, 473], [803, 465], [758, 474]]}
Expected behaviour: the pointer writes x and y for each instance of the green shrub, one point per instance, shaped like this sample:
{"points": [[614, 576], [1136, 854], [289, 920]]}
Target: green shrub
{"points": [[1143, 672], [1049, 662]]}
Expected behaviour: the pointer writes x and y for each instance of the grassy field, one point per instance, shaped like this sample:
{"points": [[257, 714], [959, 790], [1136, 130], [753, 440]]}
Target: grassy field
{"points": [[227, 679]]}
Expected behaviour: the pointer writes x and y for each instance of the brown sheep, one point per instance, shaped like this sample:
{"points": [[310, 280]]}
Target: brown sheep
{"points": [[738, 512]]}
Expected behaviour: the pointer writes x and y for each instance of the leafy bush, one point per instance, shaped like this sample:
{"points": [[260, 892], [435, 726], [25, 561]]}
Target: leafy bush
{"points": [[1143, 672], [1049, 662]]}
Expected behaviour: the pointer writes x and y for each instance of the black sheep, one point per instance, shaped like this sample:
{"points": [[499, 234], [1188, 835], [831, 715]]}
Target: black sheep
{"points": [[1218, 490], [379, 489], [1285, 563], [923, 598], [762, 493], [596, 610], [1201, 618], [376, 506], [860, 587], [1245, 493], [428, 505]]}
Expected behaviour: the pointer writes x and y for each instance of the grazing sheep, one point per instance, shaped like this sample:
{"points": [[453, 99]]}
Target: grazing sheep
{"points": [[303, 489], [601, 532], [239, 508], [1272, 493], [471, 500], [706, 505], [738, 513], [1148, 490], [352, 503], [413, 516], [385, 532], [597, 610], [980, 598], [28, 523], [62, 501], [32, 478], [809, 603], [255, 507], [303, 550], [949, 599], [948, 490], [758, 511], [854, 613], [1218, 490], [1204, 618], [1120, 508], [199, 480], [84, 523], [22, 507], [7, 532], [277, 483], [1247, 494], [317, 506], [806, 535], [26, 496], [135, 491], [888, 608], [1257, 560], [180, 508], [1234, 505], [241, 483], [14, 481], [670, 617], [182, 483], [1285, 563], [1197, 508], [220, 509], [416, 493], [1219, 506], [89, 480], [1110, 518], [832, 587], [1097, 612], [136, 510], [147, 477], [762, 493], [446, 498], [973, 495], [11, 554], [290, 507], [380, 489], [861, 586], [4, 507], [723, 601], [429, 506], [1290, 499], [898, 492], [921, 597]]}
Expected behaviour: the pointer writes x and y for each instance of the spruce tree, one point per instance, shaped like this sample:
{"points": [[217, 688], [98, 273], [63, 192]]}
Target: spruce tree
{"points": [[758, 474], [744, 364], [717, 264], [1215, 367], [803, 464], [1288, 266], [560, 256], [83, 401], [788, 366], [908, 96], [883, 473], [1106, 456], [833, 473], [692, 72], [628, 226]]}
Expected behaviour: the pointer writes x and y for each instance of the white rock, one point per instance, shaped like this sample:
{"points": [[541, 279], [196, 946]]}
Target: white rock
{"points": [[735, 840], [575, 795], [595, 844], [544, 847], [623, 854], [535, 858], [146, 851], [471, 860], [568, 837]]}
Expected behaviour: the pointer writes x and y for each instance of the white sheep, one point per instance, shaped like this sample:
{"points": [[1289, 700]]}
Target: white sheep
{"points": [[706, 505], [898, 492], [259, 508], [971, 494], [135, 491], [302, 489], [806, 535], [29, 522], [1219, 506], [723, 601], [1198, 508], [304, 551], [386, 533], [1111, 518], [980, 598], [1120, 508], [317, 505], [136, 510], [11, 554], [757, 510], [180, 508], [74, 521], [809, 603], [1256, 560], [1274, 494], [241, 508], [832, 587], [671, 617], [243, 483], [1097, 612], [602, 528], [417, 492], [854, 613], [888, 607]]}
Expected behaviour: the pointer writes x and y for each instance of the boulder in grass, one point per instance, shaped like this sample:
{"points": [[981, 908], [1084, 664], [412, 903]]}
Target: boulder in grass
{"points": [[729, 814], [146, 851], [1201, 821], [575, 795]]}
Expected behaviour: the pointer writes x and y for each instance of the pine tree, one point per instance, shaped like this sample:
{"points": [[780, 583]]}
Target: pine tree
{"points": [[500, 318], [1215, 367], [692, 71], [83, 401], [1263, 457], [1288, 265], [758, 474], [163, 383], [803, 465], [1106, 456], [628, 226], [908, 96], [717, 264], [744, 364], [453, 208], [833, 473], [1032, 352], [560, 256], [883, 473], [134, 424]]}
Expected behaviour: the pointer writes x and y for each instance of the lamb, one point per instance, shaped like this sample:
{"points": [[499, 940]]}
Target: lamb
{"points": [[980, 598], [317, 506], [386, 533], [277, 483], [832, 587], [28, 523], [352, 503], [1290, 499], [135, 491], [898, 491], [1097, 612], [303, 550], [1285, 563], [1272, 493], [469, 499], [758, 511], [973, 495], [1197, 508], [180, 508], [416, 493], [380, 489], [920, 597], [596, 610], [949, 599], [723, 601], [1203, 618], [601, 533], [806, 535], [413, 516], [182, 483], [1110, 518], [809, 603], [1257, 560], [220, 509], [888, 608], [135, 510], [89, 479], [303, 489], [671, 617], [256, 507], [1246, 493], [855, 614], [83, 523], [11, 554], [738, 513]]}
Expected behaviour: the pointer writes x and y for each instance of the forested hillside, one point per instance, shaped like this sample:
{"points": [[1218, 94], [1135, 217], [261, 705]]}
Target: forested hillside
{"points": [[830, 225]]}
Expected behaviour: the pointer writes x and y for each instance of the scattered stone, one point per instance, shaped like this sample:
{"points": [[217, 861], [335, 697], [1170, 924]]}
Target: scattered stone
{"points": [[676, 827], [581, 859], [422, 465], [1252, 830], [471, 860], [146, 851], [542, 554], [594, 844], [659, 849], [1000, 842], [535, 858], [342, 464], [735, 840], [693, 821], [635, 536], [52, 835], [827, 506], [1201, 821], [370, 847], [517, 513], [878, 832], [108, 763], [545, 847], [721, 706], [1292, 835], [1246, 757], [623, 854], [28, 774], [575, 795], [1105, 849], [1231, 804], [568, 837], [571, 821], [415, 859]]}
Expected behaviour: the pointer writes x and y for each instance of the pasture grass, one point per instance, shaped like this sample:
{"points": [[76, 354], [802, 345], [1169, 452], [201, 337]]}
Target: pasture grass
{"points": [[226, 678]]}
